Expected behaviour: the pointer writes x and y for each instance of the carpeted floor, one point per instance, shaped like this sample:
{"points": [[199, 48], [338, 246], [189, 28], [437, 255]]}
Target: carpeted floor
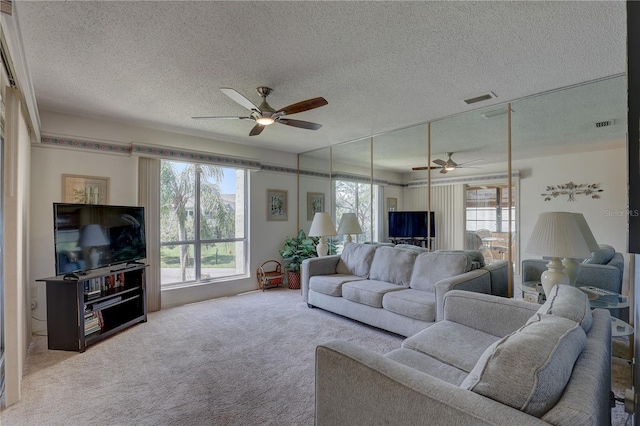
{"points": [[243, 360]]}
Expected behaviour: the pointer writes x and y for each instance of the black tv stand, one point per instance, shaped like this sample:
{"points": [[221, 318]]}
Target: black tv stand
{"points": [[84, 310], [416, 241]]}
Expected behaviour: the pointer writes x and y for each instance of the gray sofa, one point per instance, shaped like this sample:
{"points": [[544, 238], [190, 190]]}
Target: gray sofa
{"points": [[490, 361], [393, 288]]}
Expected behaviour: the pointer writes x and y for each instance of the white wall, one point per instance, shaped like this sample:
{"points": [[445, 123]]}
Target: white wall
{"points": [[49, 163]]}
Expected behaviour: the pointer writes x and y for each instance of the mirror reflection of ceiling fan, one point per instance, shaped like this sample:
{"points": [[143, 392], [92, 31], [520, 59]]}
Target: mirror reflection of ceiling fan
{"points": [[265, 115], [449, 165]]}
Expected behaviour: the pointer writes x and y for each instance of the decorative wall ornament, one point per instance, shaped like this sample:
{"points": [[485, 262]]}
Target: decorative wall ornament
{"points": [[571, 189]]}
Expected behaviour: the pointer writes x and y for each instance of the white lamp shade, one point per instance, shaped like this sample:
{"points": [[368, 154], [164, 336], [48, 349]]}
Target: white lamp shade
{"points": [[322, 226], [92, 236], [586, 232], [349, 224], [559, 234]]}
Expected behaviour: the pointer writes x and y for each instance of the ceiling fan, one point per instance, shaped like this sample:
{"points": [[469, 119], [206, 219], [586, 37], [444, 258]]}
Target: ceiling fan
{"points": [[449, 165], [265, 115]]}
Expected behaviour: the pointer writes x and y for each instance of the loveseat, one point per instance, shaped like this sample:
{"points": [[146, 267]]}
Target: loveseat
{"points": [[490, 361], [393, 288]]}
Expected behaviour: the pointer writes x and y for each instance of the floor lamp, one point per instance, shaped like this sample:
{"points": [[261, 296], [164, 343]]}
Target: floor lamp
{"points": [[322, 226], [557, 235]]}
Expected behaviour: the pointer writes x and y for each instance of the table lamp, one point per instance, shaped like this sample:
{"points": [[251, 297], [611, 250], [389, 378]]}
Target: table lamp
{"points": [[93, 237], [349, 225], [557, 235], [322, 226]]}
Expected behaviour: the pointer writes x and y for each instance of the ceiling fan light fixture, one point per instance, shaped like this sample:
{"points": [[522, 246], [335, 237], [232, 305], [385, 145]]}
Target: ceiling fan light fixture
{"points": [[265, 121], [449, 167]]}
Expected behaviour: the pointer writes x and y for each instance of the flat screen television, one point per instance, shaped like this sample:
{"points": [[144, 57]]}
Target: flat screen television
{"points": [[410, 224], [90, 236]]}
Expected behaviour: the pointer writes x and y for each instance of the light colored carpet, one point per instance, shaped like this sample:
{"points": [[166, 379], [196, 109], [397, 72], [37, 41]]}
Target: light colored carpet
{"points": [[243, 360]]}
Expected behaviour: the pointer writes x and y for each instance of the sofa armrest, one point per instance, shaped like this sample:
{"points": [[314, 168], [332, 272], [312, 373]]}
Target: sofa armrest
{"points": [[499, 277], [355, 386], [495, 315], [325, 265], [478, 281]]}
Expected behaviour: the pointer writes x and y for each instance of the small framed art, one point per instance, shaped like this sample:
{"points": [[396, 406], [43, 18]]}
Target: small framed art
{"points": [[315, 204], [85, 189], [392, 204], [277, 204]]}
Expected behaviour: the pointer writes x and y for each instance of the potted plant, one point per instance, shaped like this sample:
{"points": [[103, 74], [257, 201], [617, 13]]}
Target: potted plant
{"points": [[295, 250]]}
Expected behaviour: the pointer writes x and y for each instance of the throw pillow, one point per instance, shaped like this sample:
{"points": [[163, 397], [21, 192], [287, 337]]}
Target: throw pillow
{"points": [[568, 302], [602, 256], [355, 259], [392, 266], [529, 369], [429, 268]]}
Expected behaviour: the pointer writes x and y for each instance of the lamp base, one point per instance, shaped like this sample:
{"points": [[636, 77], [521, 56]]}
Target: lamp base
{"points": [[349, 239], [554, 275], [572, 268], [322, 248]]}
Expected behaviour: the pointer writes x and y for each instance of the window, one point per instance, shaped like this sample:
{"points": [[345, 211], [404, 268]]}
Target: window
{"points": [[358, 198], [487, 208], [203, 222]]}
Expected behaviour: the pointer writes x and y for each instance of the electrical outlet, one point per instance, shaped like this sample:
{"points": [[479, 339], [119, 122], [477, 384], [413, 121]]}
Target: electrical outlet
{"points": [[34, 291]]}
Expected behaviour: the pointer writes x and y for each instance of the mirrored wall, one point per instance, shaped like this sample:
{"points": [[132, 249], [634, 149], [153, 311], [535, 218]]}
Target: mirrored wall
{"points": [[481, 173]]}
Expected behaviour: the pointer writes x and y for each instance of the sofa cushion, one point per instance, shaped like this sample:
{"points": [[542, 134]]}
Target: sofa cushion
{"points": [[453, 343], [529, 369], [429, 268], [568, 302], [368, 292], [417, 304], [476, 257], [602, 256], [393, 266], [355, 259], [426, 364], [330, 284]]}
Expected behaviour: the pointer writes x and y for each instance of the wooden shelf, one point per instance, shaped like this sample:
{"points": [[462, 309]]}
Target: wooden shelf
{"points": [[71, 313]]}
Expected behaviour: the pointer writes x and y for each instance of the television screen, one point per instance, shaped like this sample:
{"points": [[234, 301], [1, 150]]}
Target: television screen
{"points": [[410, 224], [89, 236]]}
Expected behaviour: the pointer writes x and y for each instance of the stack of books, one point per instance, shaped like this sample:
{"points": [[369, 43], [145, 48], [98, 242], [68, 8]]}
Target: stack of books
{"points": [[92, 323]]}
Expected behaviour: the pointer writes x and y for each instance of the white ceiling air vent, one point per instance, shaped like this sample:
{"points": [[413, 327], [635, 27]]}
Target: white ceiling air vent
{"points": [[480, 98], [605, 123]]}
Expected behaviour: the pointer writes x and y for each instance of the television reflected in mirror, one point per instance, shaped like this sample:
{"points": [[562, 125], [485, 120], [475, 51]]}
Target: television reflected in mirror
{"points": [[411, 224], [89, 236]]}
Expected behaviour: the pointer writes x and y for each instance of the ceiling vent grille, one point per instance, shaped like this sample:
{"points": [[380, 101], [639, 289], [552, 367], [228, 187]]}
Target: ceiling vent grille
{"points": [[605, 123], [480, 98]]}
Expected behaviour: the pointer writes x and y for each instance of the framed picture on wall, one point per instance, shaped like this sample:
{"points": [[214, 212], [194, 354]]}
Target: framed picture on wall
{"points": [[315, 204], [85, 189], [276, 204], [392, 204]]}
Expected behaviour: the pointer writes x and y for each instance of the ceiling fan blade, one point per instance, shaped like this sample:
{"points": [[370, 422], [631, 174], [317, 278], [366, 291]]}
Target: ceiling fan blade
{"points": [[236, 96], [440, 162], [299, 123], [303, 106], [223, 118], [425, 168], [257, 129], [444, 171]]}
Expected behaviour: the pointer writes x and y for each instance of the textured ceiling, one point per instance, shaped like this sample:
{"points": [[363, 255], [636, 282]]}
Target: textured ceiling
{"points": [[380, 65]]}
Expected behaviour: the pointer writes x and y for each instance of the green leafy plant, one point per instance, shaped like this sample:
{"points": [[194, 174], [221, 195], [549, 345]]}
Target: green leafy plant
{"points": [[298, 248]]}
